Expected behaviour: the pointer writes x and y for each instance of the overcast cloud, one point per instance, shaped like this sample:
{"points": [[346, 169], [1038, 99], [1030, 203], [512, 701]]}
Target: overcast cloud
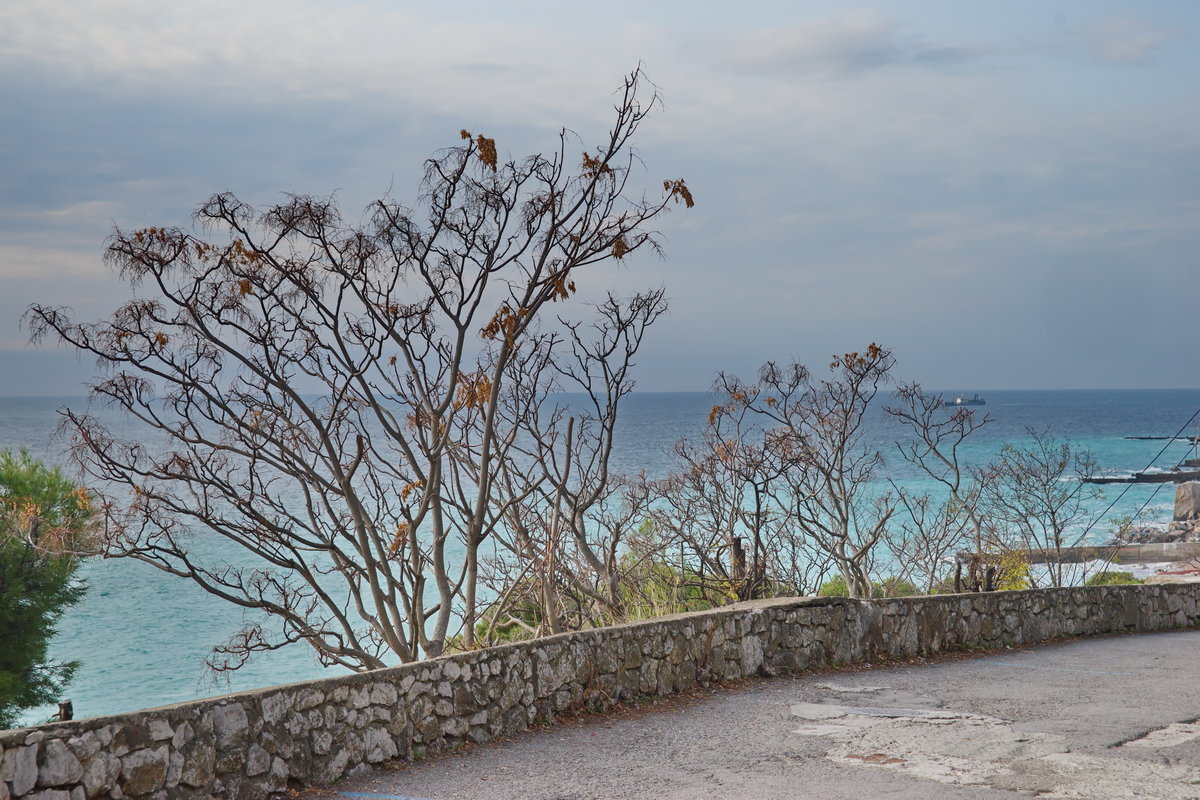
{"points": [[1006, 193]]}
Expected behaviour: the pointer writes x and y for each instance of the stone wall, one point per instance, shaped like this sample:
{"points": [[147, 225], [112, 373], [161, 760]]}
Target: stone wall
{"points": [[253, 744]]}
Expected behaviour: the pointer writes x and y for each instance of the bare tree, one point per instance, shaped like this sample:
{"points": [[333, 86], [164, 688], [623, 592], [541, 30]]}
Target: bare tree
{"points": [[566, 517], [928, 537], [327, 395], [817, 429], [934, 532], [725, 511], [1035, 495]]}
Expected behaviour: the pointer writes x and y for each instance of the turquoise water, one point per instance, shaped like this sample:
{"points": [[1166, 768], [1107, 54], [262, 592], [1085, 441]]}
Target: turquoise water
{"points": [[142, 635]]}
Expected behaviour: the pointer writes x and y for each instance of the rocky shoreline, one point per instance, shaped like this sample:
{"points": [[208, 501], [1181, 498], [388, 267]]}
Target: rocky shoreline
{"points": [[1184, 528]]}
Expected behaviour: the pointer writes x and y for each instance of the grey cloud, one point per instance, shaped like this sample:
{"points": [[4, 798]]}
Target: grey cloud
{"points": [[836, 48], [1124, 42]]}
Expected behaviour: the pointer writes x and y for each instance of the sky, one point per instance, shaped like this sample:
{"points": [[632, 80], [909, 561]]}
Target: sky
{"points": [[1007, 195]]}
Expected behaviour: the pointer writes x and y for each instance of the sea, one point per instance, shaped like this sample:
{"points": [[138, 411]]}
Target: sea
{"points": [[141, 635]]}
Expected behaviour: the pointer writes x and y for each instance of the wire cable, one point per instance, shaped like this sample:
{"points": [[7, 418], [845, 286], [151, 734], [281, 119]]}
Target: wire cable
{"points": [[1170, 441]]}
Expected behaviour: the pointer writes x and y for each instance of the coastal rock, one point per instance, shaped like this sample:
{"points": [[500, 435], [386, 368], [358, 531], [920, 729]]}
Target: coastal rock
{"points": [[1175, 576], [1151, 536], [1187, 501]]}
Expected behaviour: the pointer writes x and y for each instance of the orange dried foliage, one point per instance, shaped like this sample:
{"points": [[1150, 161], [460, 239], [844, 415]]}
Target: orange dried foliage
{"points": [[561, 288], [474, 390], [504, 321], [422, 419], [851, 360], [398, 540], [487, 150], [83, 499], [679, 190], [593, 166], [620, 247], [145, 235]]}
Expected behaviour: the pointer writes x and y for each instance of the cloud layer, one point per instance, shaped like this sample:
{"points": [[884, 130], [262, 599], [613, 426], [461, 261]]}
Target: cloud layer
{"points": [[1005, 198]]}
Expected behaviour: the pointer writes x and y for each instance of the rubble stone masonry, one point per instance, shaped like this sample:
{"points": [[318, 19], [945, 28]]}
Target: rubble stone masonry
{"points": [[250, 745]]}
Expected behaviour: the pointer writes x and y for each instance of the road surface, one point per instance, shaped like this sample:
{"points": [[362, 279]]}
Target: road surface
{"points": [[1110, 717]]}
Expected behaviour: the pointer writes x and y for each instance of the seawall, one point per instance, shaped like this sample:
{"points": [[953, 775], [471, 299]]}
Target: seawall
{"points": [[253, 744]]}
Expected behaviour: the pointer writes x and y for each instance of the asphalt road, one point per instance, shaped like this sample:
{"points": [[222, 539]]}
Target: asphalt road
{"points": [[1097, 718]]}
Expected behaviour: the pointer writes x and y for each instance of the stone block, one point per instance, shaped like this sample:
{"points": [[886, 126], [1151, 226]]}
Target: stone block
{"points": [[183, 734], [311, 698], [297, 724], [174, 769], [322, 742], [50, 794], [144, 771], [359, 698], [231, 761], [100, 774], [129, 737], [275, 707], [20, 768], [383, 694], [85, 745], [59, 766], [378, 745], [230, 724], [160, 730], [199, 767]]}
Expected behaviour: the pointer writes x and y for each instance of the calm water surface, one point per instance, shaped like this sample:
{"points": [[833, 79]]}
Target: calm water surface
{"points": [[142, 635]]}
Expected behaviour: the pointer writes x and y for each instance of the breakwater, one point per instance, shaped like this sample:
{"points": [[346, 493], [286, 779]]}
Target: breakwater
{"points": [[254, 744]]}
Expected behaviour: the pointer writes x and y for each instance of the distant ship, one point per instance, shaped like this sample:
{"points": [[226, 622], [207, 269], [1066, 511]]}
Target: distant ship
{"points": [[973, 400]]}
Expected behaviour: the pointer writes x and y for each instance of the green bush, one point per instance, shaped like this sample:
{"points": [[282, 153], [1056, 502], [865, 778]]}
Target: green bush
{"points": [[44, 519], [1113, 579], [885, 587], [834, 587], [896, 587]]}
